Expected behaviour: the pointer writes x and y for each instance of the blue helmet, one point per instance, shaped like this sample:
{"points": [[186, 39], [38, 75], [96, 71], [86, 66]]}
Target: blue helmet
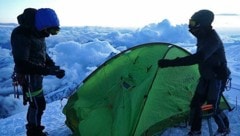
{"points": [[46, 18]]}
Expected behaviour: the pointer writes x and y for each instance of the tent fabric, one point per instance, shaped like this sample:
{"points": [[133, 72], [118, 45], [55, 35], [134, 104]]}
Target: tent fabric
{"points": [[129, 95]]}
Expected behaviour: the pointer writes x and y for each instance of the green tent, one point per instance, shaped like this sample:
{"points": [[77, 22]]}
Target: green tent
{"points": [[129, 95]]}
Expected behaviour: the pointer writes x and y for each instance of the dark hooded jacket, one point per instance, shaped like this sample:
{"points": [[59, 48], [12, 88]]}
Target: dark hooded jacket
{"points": [[29, 47], [210, 57]]}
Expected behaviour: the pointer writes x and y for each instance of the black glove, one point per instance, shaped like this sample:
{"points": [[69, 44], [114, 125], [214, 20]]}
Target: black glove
{"points": [[55, 70], [60, 73], [162, 63]]}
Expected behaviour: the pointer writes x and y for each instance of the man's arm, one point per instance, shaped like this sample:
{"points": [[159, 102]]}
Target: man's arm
{"points": [[184, 61]]}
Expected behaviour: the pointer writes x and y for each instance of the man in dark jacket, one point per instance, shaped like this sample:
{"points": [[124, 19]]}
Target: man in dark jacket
{"points": [[211, 60], [32, 61]]}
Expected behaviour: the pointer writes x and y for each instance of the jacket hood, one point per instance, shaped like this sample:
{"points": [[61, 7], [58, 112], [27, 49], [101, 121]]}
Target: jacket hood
{"points": [[203, 17], [27, 18]]}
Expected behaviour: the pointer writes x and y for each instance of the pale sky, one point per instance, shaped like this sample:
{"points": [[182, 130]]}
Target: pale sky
{"points": [[125, 13]]}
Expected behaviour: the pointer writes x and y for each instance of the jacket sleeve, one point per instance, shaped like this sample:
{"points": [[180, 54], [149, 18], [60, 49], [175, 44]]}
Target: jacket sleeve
{"points": [[188, 60], [49, 61], [205, 51]]}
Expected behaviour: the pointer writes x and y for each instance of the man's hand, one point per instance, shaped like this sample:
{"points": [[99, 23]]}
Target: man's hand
{"points": [[55, 70], [60, 73], [162, 63]]}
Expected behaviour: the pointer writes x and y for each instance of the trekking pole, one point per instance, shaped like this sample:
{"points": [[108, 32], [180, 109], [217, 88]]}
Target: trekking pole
{"points": [[228, 105], [236, 102], [17, 92], [228, 87], [14, 89]]}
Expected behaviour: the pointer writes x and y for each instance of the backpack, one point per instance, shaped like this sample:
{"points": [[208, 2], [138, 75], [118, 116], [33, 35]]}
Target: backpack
{"points": [[224, 73]]}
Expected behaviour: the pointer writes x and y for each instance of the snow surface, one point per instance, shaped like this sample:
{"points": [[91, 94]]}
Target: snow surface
{"points": [[80, 50]]}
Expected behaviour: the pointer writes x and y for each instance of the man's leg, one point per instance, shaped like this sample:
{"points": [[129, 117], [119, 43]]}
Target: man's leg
{"points": [[34, 116], [195, 107], [214, 97]]}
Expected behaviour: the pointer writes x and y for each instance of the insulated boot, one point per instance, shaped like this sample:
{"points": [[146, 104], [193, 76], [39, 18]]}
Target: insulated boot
{"points": [[35, 130], [194, 133], [224, 132]]}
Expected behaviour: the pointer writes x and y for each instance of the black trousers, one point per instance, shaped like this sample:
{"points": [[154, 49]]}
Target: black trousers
{"points": [[37, 104], [210, 91], [35, 110]]}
